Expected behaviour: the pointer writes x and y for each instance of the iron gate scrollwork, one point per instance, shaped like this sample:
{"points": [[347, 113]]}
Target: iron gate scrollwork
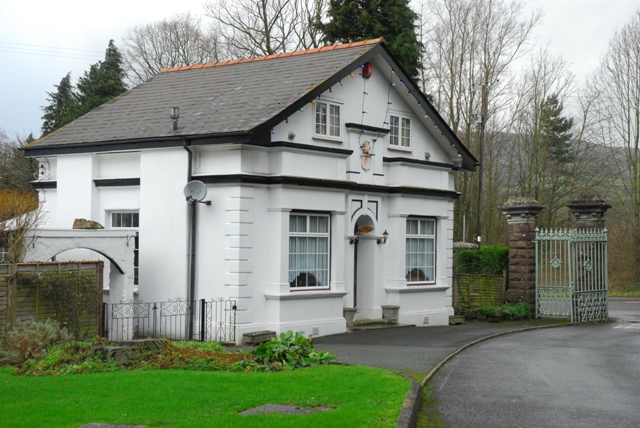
{"points": [[174, 319], [571, 274]]}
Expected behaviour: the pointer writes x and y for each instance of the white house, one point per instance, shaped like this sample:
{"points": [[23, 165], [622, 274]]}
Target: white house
{"points": [[330, 178]]}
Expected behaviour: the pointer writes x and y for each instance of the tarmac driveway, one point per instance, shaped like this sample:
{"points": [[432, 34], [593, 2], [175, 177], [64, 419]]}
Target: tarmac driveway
{"points": [[576, 376], [413, 350]]}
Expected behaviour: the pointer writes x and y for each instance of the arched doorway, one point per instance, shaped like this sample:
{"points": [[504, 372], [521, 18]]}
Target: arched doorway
{"points": [[363, 267]]}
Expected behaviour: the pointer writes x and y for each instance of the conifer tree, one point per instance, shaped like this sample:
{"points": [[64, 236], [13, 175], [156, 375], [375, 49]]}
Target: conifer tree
{"points": [[556, 130], [355, 20], [62, 107], [103, 81]]}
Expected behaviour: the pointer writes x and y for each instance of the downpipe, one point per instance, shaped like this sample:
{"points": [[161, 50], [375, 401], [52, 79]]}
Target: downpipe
{"points": [[191, 244]]}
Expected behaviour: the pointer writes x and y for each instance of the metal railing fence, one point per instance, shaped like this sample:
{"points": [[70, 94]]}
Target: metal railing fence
{"points": [[175, 319]]}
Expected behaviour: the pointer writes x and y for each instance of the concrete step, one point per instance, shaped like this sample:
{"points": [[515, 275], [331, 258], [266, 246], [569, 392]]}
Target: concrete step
{"points": [[362, 325]]}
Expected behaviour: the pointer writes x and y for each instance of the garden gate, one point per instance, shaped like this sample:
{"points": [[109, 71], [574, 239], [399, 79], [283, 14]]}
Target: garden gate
{"points": [[571, 274]]}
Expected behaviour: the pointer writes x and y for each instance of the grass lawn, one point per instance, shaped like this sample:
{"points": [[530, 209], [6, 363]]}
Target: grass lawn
{"points": [[361, 396]]}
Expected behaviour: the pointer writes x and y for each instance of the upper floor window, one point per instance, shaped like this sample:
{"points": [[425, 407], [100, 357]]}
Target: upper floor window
{"points": [[327, 122], [308, 250], [400, 131], [421, 250], [124, 219]]}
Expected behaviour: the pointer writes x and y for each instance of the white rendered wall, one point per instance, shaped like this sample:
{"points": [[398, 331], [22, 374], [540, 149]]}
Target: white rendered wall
{"points": [[163, 224], [75, 188], [118, 165]]}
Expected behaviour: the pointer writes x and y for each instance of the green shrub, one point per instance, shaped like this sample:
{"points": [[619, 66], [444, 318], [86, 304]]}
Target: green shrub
{"points": [[487, 311], [489, 260], [291, 350], [30, 339], [69, 358], [202, 346], [519, 311]]}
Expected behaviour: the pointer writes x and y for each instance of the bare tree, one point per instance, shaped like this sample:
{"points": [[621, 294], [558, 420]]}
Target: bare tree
{"points": [[252, 28], [616, 118], [20, 213], [172, 42], [255, 28], [306, 31], [542, 161], [471, 46]]}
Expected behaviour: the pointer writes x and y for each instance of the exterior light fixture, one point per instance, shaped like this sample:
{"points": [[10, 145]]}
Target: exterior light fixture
{"points": [[174, 114], [385, 236]]}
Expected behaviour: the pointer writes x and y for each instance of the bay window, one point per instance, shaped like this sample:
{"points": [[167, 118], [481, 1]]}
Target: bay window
{"points": [[308, 250]]}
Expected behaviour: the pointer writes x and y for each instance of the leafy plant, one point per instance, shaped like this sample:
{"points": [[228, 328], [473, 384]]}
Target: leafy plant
{"points": [[519, 311], [488, 311], [289, 351], [30, 339]]}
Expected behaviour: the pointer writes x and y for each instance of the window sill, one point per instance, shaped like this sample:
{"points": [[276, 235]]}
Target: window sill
{"points": [[418, 288], [311, 294], [327, 138], [399, 148]]}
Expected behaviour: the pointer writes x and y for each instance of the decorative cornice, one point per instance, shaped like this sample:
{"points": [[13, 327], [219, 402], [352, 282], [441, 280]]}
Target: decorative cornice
{"points": [[284, 180]]}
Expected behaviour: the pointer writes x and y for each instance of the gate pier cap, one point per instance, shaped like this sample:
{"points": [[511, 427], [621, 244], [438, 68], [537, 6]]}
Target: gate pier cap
{"points": [[588, 210]]}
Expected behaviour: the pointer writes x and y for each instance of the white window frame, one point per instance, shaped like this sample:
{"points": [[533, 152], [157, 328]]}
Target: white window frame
{"points": [[135, 218], [420, 257], [332, 131], [136, 251], [309, 269], [399, 132]]}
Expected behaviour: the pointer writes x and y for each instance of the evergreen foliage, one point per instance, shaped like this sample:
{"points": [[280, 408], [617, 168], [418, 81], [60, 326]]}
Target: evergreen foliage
{"points": [[488, 260], [62, 108], [16, 170], [555, 130], [355, 20], [103, 81]]}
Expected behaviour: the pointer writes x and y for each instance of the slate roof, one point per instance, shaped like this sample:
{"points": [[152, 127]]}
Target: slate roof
{"points": [[215, 98], [242, 97]]}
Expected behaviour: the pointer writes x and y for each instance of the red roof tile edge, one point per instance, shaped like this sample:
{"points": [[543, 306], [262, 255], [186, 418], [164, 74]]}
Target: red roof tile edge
{"points": [[280, 55]]}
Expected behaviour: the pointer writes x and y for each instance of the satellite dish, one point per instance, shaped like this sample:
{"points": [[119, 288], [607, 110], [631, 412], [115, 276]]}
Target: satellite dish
{"points": [[195, 190]]}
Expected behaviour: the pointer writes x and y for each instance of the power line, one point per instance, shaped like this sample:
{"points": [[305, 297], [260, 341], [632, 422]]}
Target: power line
{"points": [[51, 51]]}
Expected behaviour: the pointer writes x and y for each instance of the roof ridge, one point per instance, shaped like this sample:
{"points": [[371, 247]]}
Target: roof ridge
{"points": [[274, 56]]}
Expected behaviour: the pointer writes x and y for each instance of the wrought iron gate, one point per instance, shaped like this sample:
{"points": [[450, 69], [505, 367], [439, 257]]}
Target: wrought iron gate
{"points": [[571, 274], [175, 319]]}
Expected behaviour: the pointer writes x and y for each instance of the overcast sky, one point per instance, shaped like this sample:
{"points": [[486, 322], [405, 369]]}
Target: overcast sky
{"points": [[40, 42]]}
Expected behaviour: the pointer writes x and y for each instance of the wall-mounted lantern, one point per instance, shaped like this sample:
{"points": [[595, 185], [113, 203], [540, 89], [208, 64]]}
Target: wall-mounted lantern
{"points": [[385, 236]]}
